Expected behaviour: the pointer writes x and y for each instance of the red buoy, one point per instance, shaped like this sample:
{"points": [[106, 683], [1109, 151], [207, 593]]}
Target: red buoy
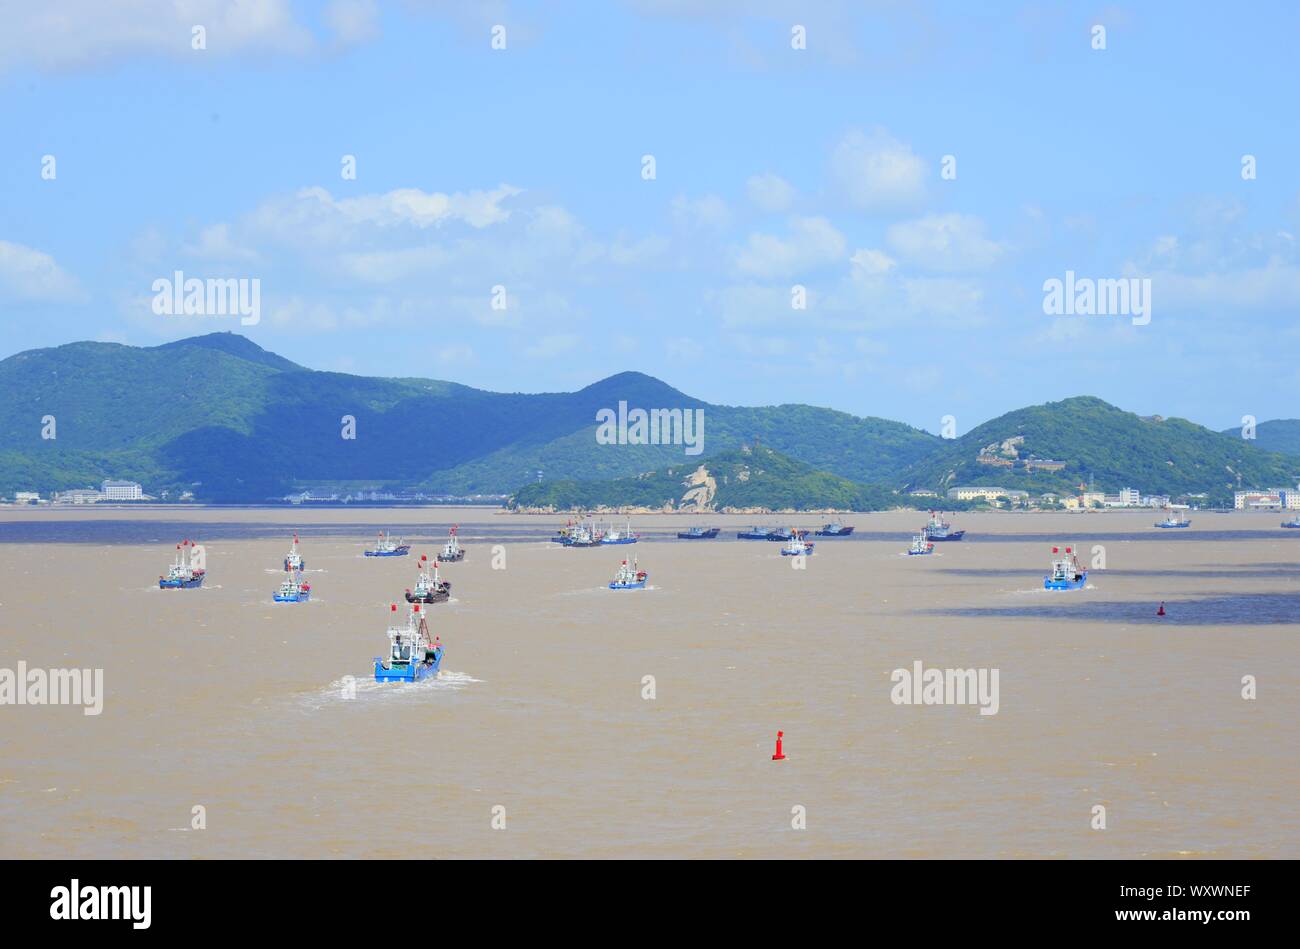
{"points": [[1161, 611], [778, 756]]}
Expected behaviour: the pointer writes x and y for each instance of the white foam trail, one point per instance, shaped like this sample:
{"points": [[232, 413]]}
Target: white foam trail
{"points": [[367, 689]]}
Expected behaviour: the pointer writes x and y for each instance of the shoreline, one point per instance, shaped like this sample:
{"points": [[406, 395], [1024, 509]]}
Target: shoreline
{"points": [[497, 510]]}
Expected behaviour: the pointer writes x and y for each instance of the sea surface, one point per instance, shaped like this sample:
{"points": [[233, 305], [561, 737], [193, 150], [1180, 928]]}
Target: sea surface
{"points": [[267, 717]]}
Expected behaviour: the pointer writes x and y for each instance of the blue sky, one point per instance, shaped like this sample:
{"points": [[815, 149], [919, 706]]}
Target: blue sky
{"points": [[774, 167]]}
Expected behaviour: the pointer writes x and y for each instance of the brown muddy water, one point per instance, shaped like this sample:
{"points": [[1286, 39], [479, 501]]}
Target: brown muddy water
{"points": [[221, 699]]}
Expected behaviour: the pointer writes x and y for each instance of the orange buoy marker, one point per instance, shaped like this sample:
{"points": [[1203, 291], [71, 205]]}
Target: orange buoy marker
{"points": [[1161, 611], [778, 756]]}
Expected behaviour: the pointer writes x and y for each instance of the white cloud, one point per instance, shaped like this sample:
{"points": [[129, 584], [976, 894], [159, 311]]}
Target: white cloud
{"points": [[425, 255], [945, 242], [298, 313], [750, 305], [770, 192], [1276, 285], [313, 216], [876, 172], [950, 301], [1220, 271], [353, 22], [814, 242], [80, 33], [877, 295], [423, 208], [869, 262], [30, 275]]}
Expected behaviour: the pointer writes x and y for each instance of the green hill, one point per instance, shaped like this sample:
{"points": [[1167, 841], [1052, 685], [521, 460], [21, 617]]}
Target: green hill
{"points": [[742, 478], [1280, 435], [1100, 443], [222, 417]]}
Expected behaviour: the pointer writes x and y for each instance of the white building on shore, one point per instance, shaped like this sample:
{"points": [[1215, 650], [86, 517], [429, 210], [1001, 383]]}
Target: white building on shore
{"points": [[972, 493], [1268, 499], [79, 496], [121, 491]]}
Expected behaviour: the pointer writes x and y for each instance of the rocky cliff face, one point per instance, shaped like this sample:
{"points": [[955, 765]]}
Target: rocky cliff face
{"points": [[701, 489]]}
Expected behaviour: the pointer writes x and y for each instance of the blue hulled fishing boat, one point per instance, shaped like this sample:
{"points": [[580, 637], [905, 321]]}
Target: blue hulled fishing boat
{"points": [[1293, 524], [757, 533], [629, 578], [1066, 573], [921, 545], [411, 656], [293, 590], [796, 546], [1174, 520], [186, 573]]}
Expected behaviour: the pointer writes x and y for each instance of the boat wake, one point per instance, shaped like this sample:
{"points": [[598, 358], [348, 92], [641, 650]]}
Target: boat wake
{"points": [[1041, 591], [363, 687]]}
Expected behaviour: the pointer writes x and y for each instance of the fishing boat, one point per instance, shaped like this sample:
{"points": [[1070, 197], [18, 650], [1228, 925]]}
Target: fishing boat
{"points": [[293, 590], [629, 578], [698, 533], [782, 534], [184, 574], [835, 529], [563, 534], [430, 588], [921, 544], [582, 536], [757, 533], [1174, 520], [411, 654], [1066, 573], [796, 546], [293, 560], [385, 546], [938, 529], [453, 552], [1295, 523], [615, 536]]}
